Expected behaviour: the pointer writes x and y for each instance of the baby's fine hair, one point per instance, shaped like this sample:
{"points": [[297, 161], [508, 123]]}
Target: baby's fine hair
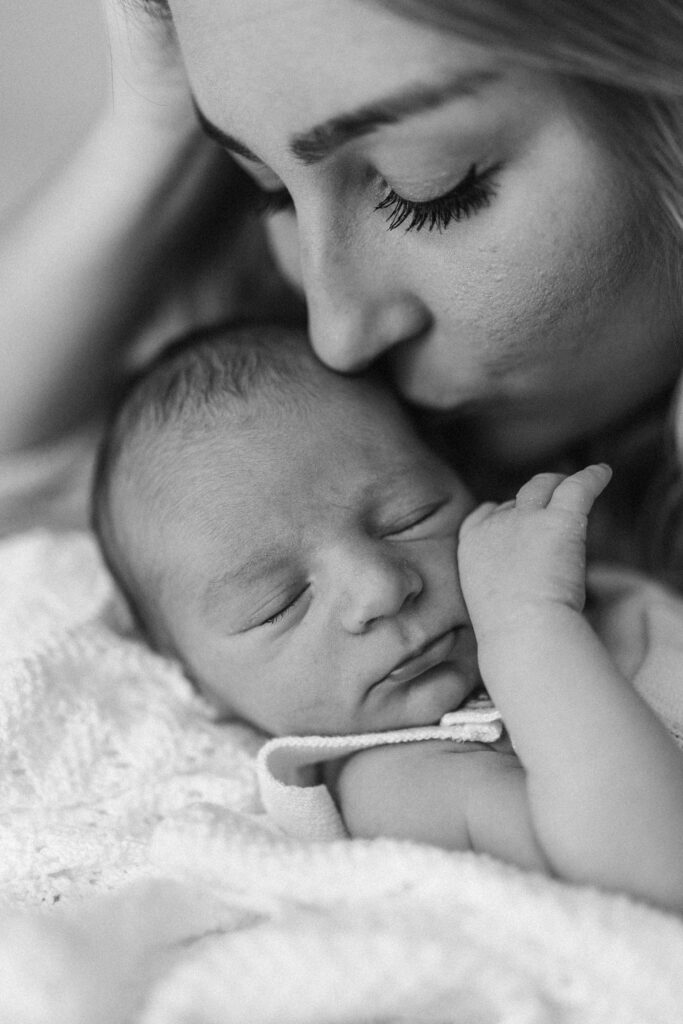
{"points": [[190, 382]]}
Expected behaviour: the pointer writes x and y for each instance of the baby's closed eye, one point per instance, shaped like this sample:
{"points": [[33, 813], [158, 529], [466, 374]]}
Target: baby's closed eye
{"points": [[431, 519], [285, 609]]}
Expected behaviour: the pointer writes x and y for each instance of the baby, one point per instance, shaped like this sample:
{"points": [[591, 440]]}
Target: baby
{"points": [[319, 571]]}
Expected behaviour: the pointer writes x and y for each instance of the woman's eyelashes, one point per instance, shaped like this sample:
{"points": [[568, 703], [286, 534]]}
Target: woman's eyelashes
{"points": [[474, 192], [470, 195]]}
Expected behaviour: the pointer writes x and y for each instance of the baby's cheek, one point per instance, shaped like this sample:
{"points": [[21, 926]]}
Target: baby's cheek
{"points": [[441, 574], [225, 681], [478, 562], [216, 690]]}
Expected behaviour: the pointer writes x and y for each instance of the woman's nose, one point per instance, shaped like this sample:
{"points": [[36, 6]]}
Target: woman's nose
{"points": [[375, 588], [357, 311]]}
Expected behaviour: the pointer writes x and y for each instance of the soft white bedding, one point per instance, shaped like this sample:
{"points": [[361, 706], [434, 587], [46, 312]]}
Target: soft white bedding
{"points": [[142, 883]]}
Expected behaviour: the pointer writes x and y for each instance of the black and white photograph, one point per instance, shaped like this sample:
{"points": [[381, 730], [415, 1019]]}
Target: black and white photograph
{"points": [[341, 435]]}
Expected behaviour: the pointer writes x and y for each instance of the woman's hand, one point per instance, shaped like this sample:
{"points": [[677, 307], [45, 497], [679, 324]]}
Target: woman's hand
{"points": [[529, 552], [142, 235], [208, 253], [147, 82]]}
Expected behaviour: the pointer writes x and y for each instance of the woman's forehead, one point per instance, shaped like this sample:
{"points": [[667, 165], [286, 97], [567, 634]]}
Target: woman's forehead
{"points": [[244, 54]]}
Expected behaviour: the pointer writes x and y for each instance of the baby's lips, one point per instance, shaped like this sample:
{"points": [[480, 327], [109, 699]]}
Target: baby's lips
{"points": [[427, 657]]}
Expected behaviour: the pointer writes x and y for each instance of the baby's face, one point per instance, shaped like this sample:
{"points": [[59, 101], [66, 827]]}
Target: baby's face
{"points": [[317, 549]]}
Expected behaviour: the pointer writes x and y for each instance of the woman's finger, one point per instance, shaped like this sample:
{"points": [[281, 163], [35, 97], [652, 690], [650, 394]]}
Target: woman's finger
{"points": [[147, 77]]}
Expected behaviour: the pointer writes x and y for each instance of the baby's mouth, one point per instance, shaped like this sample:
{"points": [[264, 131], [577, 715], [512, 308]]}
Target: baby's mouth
{"points": [[425, 658]]}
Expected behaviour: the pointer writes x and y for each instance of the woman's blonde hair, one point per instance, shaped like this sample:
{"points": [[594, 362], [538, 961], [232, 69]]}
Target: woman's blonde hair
{"points": [[625, 57]]}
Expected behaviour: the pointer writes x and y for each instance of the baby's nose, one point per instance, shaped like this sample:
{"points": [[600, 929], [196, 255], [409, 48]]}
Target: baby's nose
{"points": [[376, 589]]}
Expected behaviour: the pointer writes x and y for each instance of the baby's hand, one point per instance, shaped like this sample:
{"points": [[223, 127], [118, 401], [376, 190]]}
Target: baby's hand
{"points": [[531, 551]]}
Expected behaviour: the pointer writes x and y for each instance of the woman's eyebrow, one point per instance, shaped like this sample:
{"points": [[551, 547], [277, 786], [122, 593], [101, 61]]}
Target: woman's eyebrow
{"points": [[319, 142], [315, 145], [221, 137]]}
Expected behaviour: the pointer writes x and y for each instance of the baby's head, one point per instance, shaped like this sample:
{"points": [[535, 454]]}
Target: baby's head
{"points": [[285, 533]]}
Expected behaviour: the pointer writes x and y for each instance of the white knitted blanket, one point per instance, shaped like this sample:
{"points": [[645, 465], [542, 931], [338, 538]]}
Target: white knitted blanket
{"points": [[143, 884]]}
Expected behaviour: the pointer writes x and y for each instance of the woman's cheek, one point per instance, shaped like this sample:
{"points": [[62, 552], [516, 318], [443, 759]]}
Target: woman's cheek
{"points": [[524, 278]]}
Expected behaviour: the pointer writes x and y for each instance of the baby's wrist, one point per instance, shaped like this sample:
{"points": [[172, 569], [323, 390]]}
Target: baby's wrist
{"points": [[502, 632]]}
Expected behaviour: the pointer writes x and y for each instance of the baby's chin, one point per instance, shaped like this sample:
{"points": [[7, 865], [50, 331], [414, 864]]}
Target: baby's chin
{"points": [[420, 701], [426, 699]]}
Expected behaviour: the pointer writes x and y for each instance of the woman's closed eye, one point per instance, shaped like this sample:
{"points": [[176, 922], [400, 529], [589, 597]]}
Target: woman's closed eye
{"points": [[268, 202], [474, 192], [259, 197], [469, 196]]}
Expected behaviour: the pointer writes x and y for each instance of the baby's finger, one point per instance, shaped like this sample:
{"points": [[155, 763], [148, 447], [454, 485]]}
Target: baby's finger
{"points": [[578, 492], [537, 492]]}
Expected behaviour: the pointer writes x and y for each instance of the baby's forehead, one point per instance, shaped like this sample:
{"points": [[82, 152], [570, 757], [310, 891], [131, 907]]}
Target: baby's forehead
{"points": [[199, 462], [272, 410]]}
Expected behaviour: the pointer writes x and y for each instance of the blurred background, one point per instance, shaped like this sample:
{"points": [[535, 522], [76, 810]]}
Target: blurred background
{"points": [[53, 68]]}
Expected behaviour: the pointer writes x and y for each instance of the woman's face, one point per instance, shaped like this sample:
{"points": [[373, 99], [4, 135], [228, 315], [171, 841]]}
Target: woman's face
{"points": [[450, 212]]}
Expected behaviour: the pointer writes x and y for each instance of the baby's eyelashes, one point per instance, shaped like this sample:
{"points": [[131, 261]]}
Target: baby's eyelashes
{"points": [[419, 521], [284, 610]]}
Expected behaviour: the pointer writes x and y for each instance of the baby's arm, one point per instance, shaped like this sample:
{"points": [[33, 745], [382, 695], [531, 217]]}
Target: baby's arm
{"points": [[458, 796], [604, 779]]}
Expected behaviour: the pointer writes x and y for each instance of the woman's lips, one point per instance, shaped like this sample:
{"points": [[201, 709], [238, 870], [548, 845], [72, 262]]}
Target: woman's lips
{"points": [[428, 657]]}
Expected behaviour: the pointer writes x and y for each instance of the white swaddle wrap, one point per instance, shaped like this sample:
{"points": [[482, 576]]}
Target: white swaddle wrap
{"points": [[304, 808]]}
